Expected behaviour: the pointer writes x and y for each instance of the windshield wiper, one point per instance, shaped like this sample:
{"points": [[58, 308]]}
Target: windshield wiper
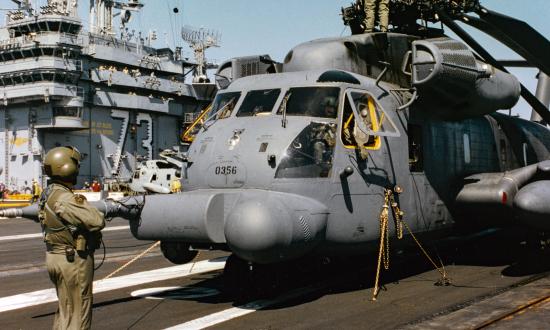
{"points": [[283, 108]]}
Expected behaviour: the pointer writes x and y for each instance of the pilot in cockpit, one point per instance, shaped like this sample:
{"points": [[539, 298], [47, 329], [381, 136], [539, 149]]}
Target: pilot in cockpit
{"points": [[329, 107], [226, 108], [323, 145]]}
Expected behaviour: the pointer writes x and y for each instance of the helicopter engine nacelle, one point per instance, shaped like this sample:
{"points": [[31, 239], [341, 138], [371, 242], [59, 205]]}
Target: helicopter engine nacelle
{"points": [[453, 84]]}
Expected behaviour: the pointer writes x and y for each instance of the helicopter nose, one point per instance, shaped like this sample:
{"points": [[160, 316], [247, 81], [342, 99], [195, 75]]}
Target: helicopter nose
{"points": [[259, 230]]}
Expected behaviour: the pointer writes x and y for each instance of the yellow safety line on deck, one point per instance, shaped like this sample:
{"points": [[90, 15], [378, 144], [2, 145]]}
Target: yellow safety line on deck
{"points": [[133, 260]]}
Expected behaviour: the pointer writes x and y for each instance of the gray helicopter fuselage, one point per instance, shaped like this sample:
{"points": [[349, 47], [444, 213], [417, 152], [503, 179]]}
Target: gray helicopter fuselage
{"points": [[304, 161], [241, 167], [213, 149]]}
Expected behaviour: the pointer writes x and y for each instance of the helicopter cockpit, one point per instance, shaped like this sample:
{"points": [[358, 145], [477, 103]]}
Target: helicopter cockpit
{"points": [[298, 125]]}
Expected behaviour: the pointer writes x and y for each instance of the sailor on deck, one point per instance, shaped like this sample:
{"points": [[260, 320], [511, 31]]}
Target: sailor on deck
{"points": [[71, 229]]}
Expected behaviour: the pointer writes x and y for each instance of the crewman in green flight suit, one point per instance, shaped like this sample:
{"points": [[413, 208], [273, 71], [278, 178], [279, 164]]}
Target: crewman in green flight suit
{"points": [[71, 230], [370, 14]]}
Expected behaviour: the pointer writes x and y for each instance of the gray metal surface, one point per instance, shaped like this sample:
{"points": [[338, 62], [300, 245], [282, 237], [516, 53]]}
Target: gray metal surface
{"points": [[533, 206]]}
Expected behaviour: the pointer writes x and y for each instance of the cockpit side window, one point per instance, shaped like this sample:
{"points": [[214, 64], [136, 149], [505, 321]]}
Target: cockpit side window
{"points": [[258, 102], [365, 132], [310, 154], [311, 101], [223, 105], [351, 136]]}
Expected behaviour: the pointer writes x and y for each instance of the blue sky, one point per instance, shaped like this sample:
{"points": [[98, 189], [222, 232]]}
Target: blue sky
{"points": [[273, 27]]}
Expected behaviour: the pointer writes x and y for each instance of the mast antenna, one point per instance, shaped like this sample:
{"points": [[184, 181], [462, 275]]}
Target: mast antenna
{"points": [[200, 40]]}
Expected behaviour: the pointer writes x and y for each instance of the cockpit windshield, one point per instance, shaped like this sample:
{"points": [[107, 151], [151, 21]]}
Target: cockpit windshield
{"points": [[311, 101], [223, 105], [258, 102]]}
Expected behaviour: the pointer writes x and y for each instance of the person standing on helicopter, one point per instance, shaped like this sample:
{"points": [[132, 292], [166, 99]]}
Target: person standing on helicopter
{"points": [[370, 7]]}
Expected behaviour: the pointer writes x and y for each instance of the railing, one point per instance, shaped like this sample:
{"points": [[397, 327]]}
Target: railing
{"points": [[101, 40], [19, 16], [31, 38]]}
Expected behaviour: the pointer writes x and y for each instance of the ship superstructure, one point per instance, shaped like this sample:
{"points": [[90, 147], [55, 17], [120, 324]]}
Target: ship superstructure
{"points": [[116, 98]]}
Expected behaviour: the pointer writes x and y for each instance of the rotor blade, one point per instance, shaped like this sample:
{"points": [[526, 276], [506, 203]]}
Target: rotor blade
{"points": [[537, 105], [518, 36], [539, 108], [515, 63]]}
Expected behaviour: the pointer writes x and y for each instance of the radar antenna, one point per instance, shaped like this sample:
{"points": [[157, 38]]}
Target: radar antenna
{"points": [[200, 40]]}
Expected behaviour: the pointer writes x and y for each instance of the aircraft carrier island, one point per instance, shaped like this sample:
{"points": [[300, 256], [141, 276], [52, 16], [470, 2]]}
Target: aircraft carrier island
{"points": [[110, 94]]}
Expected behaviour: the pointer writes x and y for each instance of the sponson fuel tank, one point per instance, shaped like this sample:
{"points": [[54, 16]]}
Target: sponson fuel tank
{"points": [[532, 202], [519, 196]]}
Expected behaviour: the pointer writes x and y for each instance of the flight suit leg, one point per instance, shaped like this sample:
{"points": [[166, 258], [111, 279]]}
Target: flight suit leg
{"points": [[370, 12], [85, 264], [64, 279], [73, 284], [383, 14]]}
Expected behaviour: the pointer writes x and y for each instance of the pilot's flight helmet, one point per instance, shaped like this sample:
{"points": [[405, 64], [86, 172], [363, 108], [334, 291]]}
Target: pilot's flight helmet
{"points": [[330, 101], [62, 163]]}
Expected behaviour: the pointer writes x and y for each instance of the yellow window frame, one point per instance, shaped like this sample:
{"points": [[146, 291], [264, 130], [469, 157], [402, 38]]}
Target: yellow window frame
{"points": [[377, 144]]}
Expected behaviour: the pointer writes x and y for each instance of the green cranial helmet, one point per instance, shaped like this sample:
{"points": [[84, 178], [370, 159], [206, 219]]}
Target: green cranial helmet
{"points": [[330, 101], [62, 163]]}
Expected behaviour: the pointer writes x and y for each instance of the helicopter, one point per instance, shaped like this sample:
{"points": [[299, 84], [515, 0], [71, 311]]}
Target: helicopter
{"points": [[353, 138], [155, 176]]}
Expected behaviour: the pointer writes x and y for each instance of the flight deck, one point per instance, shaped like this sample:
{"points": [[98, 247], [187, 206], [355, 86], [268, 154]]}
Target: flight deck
{"points": [[493, 283]]}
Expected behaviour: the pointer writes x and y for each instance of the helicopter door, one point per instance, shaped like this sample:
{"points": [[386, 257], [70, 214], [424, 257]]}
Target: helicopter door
{"points": [[358, 197]]}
